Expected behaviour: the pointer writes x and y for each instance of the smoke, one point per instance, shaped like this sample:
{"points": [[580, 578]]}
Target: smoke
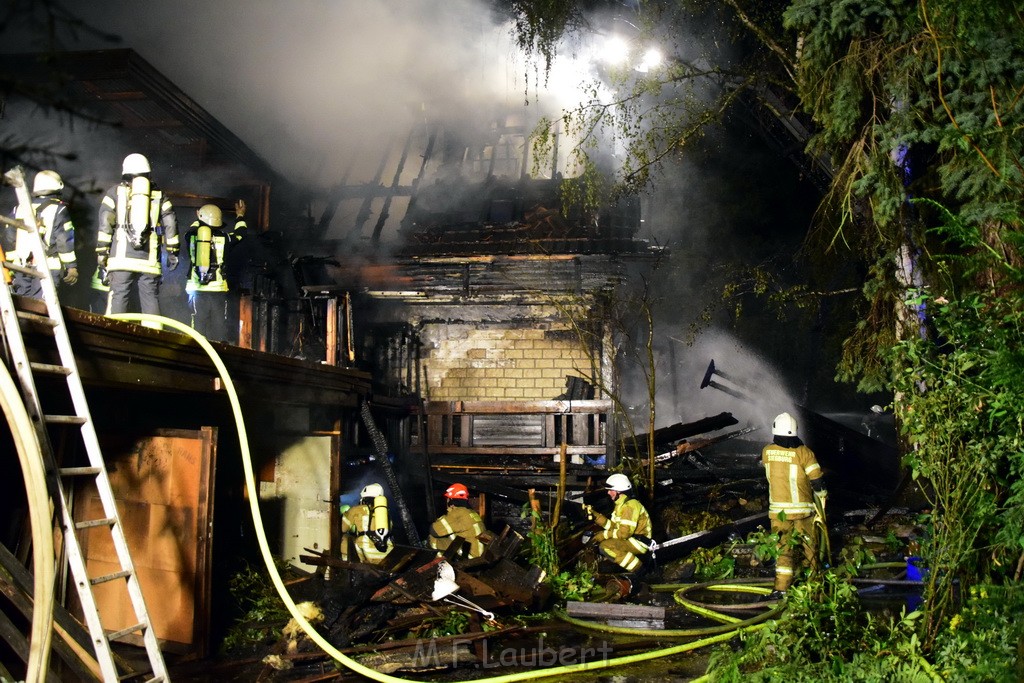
{"points": [[315, 85]]}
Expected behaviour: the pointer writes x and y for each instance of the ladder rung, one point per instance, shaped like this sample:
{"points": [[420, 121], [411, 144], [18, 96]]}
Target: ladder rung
{"points": [[37, 318], [24, 270], [50, 369], [123, 574], [134, 675], [89, 524], [140, 627], [65, 420], [156, 679], [78, 471]]}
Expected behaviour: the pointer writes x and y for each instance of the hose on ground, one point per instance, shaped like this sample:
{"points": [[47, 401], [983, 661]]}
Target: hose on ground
{"points": [[711, 636]]}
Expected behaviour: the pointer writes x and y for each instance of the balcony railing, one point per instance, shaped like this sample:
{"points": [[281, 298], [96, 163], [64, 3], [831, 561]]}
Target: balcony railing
{"points": [[518, 428]]}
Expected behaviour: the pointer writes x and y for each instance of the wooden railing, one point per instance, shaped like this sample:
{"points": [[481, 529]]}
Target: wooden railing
{"points": [[518, 428]]}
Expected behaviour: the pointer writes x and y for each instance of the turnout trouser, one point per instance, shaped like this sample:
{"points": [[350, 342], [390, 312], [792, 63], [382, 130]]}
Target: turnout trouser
{"points": [[794, 535]]}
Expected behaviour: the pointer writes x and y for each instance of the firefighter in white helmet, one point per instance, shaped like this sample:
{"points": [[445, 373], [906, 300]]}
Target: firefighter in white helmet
{"points": [[207, 286], [136, 219], [459, 521], [54, 221], [369, 523], [625, 537], [796, 496]]}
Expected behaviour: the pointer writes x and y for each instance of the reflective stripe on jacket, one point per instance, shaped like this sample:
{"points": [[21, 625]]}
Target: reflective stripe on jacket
{"points": [[458, 522], [629, 518], [113, 237], [55, 228], [790, 472], [218, 250], [356, 522]]}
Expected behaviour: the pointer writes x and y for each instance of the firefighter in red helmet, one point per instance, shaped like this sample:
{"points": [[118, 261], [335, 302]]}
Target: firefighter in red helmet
{"points": [[459, 521]]}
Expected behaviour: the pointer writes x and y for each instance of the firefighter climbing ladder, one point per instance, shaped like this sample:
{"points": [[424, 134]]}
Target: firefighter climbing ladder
{"points": [[24, 369]]}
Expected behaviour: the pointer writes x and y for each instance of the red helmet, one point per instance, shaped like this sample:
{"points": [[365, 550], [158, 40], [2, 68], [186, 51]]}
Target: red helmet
{"points": [[457, 491]]}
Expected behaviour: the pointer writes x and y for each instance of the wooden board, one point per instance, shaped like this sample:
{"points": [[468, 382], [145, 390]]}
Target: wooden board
{"points": [[163, 485]]}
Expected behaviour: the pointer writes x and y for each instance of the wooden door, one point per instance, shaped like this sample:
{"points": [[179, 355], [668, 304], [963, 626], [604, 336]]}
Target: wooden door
{"points": [[163, 484]]}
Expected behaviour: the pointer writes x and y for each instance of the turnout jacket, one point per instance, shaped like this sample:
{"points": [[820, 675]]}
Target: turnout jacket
{"points": [[458, 522], [114, 240], [55, 228], [357, 521], [629, 519], [790, 472]]}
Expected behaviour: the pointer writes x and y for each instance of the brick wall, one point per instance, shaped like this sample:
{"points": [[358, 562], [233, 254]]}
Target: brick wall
{"points": [[476, 363]]}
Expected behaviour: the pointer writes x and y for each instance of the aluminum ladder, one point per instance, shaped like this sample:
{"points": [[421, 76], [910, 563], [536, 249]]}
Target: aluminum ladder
{"points": [[25, 369]]}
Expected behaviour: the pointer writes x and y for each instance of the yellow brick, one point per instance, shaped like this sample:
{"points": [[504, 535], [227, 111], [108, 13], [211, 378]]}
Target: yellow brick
{"points": [[554, 353], [526, 382], [476, 353], [512, 353], [554, 373], [487, 382], [514, 392], [544, 363]]}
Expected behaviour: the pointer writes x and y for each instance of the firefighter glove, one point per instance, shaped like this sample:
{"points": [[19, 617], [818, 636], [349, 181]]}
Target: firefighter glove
{"points": [[172, 261], [101, 259], [71, 276], [589, 509], [240, 208]]}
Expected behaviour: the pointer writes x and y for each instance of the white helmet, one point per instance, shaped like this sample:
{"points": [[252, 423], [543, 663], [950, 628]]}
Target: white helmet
{"points": [[135, 164], [211, 215], [372, 491], [47, 182], [618, 482], [784, 425]]}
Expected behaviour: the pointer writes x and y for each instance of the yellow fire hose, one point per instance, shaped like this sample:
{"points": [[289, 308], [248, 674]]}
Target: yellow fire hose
{"points": [[26, 442], [712, 636]]}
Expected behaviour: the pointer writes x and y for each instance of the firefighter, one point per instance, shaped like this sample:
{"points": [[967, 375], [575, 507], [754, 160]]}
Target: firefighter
{"points": [[136, 218], [370, 523], [207, 286], [459, 522], [796, 499], [57, 231], [625, 537]]}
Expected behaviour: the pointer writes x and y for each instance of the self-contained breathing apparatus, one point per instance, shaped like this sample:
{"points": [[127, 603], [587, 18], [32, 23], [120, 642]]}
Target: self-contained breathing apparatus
{"points": [[138, 210], [379, 529], [206, 266]]}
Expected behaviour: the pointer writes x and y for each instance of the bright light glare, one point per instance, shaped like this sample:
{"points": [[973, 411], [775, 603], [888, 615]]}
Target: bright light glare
{"points": [[652, 60], [616, 50]]}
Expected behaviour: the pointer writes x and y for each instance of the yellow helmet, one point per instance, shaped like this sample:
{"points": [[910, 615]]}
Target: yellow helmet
{"points": [[211, 215]]}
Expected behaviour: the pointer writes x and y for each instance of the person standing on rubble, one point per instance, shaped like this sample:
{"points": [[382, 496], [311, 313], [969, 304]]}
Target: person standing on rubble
{"points": [[370, 524], [135, 218], [56, 230], [796, 499], [625, 537], [207, 285], [459, 522]]}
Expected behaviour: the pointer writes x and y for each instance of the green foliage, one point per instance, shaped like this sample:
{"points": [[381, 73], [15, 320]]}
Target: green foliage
{"points": [[263, 612], [713, 563], [962, 404], [576, 585], [453, 623], [983, 641], [543, 552], [825, 635]]}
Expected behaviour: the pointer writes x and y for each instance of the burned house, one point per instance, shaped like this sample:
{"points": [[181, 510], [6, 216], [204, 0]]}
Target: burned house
{"points": [[444, 316]]}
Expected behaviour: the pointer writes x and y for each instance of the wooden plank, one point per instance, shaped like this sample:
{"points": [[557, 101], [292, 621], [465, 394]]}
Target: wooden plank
{"points": [[512, 407], [513, 450], [614, 610], [120, 354]]}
